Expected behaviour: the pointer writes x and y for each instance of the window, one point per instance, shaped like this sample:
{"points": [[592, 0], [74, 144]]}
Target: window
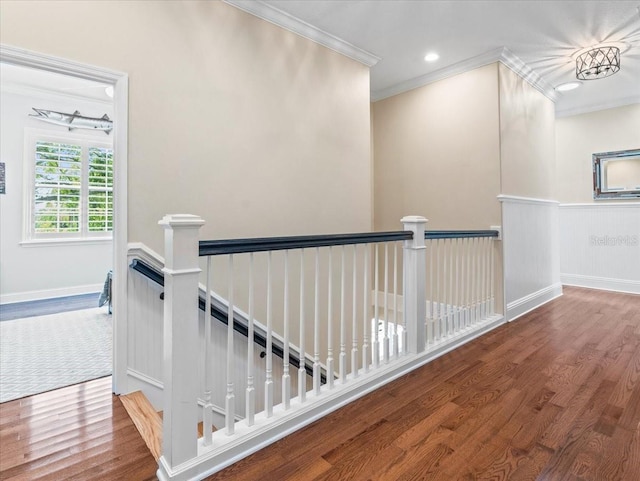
{"points": [[70, 191]]}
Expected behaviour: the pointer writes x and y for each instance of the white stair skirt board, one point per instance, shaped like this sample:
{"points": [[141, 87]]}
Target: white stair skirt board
{"points": [[603, 283], [39, 354], [528, 303]]}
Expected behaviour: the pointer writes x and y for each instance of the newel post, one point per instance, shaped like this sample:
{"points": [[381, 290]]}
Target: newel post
{"points": [[181, 274], [414, 284]]}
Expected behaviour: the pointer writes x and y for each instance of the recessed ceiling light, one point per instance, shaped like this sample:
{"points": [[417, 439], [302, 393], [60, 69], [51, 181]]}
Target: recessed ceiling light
{"points": [[568, 86], [109, 91], [431, 57]]}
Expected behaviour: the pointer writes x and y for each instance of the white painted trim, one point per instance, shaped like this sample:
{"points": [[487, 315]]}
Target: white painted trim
{"points": [[40, 61], [632, 204], [51, 293], [514, 199], [513, 62], [501, 54], [623, 102], [146, 254], [284, 20], [268, 430], [532, 301], [151, 387], [60, 242], [602, 283], [120, 81]]}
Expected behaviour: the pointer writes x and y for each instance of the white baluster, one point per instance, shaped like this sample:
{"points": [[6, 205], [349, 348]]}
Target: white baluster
{"points": [[485, 283], [316, 329], [438, 318], [302, 372], [330, 323], [286, 381], [268, 384], [446, 275], [230, 412], [457, 291], [343, 348], [450, 298], [376, 316], [430, 319], [207, 414], [492, 281], [473, 279], [354, 320], [396, 348], [251, 391], [367, 319], [385, 322]]}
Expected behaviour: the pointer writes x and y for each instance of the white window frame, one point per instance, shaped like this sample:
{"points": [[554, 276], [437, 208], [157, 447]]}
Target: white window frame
{"points": [[31, 137]]}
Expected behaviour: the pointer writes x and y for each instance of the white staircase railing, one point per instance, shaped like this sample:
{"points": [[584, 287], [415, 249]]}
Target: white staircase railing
{"points": [[315, 291]]}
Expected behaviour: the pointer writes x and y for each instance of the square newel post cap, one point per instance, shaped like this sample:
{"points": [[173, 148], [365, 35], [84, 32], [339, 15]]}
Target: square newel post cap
{"points": [[414, 219], [171, 221]]}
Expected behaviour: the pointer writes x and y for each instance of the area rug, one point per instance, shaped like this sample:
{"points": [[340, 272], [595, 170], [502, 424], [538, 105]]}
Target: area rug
{"points": [[38, 354]]}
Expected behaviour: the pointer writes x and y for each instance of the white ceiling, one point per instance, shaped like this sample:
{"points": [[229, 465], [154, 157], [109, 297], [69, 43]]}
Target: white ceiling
{"points": [[545, 35]]}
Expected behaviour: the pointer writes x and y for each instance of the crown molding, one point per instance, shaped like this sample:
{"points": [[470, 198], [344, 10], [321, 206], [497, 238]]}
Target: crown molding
{"points": [[513, 62], [623, 102], [282, 19], [502, 54]]}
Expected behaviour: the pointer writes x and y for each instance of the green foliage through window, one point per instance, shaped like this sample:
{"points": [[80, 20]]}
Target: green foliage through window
{"points": [[73, 189]]}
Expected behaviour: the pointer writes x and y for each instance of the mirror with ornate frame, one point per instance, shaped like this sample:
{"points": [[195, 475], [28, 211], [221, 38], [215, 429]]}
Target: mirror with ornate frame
{"points": [[616, 175]]}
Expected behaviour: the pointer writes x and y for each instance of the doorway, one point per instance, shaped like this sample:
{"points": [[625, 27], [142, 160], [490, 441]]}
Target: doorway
{"points": [[51, 235]]}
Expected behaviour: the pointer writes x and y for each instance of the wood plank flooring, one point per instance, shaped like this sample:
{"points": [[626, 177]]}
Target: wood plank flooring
{"points": [[79, 432], [552, 396]]}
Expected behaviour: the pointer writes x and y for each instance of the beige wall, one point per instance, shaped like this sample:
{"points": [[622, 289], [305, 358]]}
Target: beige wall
{"points": [[256, 129], [580, 136], [526, 139], [437, 153]]}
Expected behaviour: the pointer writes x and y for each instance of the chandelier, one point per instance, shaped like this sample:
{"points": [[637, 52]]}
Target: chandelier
{"points": [[598, 63]]}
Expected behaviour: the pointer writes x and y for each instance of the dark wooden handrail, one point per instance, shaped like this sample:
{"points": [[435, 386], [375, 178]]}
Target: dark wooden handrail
{"points": [[459, 234], [239, 325], [261, 244]]}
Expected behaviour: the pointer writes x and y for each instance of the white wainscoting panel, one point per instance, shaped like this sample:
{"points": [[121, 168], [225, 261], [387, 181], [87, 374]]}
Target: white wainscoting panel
{"points": [[531, 253], [600, 246], [145, 346]]}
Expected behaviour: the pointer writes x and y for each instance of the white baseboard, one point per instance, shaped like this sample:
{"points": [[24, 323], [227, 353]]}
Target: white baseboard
{"points": [[151, 388], [49, 293], [603, 283], [528, 303]]}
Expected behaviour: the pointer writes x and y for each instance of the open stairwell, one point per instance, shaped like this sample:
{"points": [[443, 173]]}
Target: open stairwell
{"points": [[365, 314], [148, 421]]}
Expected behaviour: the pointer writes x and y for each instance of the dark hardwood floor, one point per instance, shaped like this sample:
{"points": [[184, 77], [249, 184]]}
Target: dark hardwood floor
{"points": [[552, 396]]}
